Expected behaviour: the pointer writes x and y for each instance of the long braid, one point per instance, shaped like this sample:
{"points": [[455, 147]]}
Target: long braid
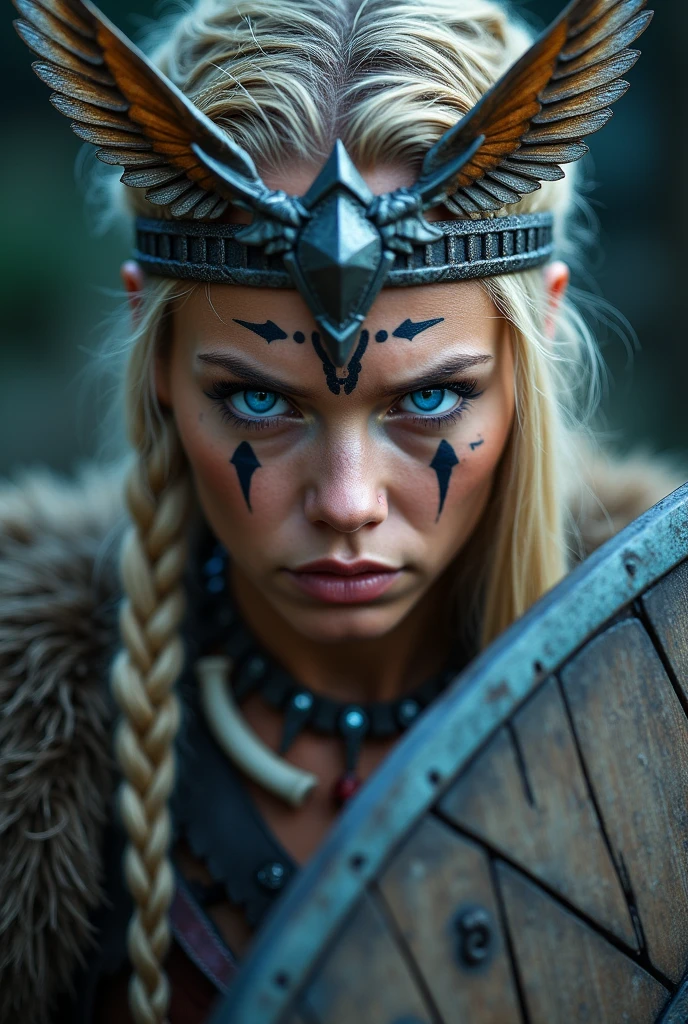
{"points": [[143, 677]]}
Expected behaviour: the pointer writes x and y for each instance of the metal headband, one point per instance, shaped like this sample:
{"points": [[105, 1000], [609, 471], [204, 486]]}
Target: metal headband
{"points": [[466, 249], [338, 244]]}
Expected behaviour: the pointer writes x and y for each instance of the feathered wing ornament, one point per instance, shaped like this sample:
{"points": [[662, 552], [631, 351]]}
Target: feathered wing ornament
{"points": [[138, 118], [534, 119]]}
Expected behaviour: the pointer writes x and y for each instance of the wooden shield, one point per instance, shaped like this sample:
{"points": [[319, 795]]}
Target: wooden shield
{"points": [[522, 855]]}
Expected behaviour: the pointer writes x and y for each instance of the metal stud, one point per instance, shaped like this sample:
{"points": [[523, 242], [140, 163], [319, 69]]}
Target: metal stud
{"points": [[272, 876]]}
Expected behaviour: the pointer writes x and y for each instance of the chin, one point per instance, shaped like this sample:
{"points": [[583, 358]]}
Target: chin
{"points": [[333, 624]]}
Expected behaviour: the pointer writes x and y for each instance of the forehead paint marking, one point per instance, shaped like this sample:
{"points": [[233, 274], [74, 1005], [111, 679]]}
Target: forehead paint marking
{"points": [[409, 330], [443, 463], [476, 444], [299, 337], [334, 382], [269, 331], [246, 463], [381, 336]]}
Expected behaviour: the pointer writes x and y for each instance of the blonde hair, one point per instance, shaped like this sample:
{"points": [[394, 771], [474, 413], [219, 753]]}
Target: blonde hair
{"points": [[388, 78]]}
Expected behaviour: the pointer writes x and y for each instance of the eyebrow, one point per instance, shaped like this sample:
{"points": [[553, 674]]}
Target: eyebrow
{"points": [[260, 380], [253, 378], [439, 374]]}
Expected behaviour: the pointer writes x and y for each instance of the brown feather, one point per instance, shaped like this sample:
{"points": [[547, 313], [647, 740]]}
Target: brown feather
{"points": [[583, 18], [59, 55], [571, 128], [586, 103], [82, 22], [540, 172], [86, 113], [607, 48], [217, 211], [110, 137], [519, 184], [149, 178], [499, 191], [128, 158], [482, 200], [205, 207], [166, 194], [59, 32], [602, 74], [556, 153], [79, 88], [605, 26], [182, 207]]}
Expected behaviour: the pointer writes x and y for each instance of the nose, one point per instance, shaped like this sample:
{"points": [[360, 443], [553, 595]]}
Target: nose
{"points": [[345, 491]]}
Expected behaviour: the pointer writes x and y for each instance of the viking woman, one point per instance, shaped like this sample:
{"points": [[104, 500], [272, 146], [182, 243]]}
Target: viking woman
{"points": [[354, 388]]}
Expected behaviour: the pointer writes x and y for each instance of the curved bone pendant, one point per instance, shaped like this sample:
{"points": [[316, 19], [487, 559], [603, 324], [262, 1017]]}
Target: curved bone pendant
{"points": [[240, 744]]}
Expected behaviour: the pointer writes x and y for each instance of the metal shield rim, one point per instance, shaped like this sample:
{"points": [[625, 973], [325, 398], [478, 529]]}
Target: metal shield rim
{"points": [[407, 783]]}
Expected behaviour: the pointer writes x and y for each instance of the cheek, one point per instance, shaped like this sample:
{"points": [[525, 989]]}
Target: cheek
{"points": [[239, 483], [462, 488]]}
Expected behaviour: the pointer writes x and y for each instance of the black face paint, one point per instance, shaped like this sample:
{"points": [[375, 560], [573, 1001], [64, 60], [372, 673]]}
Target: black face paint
{"points": [[443, 463], [334, 382], [246, 463], [381, 336], [409, 330], [299, 337], [476, 444], [268, 331]]}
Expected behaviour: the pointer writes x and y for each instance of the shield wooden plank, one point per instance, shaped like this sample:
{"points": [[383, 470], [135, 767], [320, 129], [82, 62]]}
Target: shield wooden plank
{"points": [[367, 948], [521, 856], [527, 797], [633, 735], [439, 891], [569, 973]]}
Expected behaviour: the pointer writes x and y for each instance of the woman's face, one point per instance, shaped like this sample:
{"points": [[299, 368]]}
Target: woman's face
{"points": [[342, 495]]}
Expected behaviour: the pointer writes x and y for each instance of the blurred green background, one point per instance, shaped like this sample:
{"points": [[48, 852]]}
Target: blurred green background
{"points": [[59, 278]]}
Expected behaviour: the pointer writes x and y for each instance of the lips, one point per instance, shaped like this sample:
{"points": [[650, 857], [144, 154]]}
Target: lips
{"points": [[336, 582]]}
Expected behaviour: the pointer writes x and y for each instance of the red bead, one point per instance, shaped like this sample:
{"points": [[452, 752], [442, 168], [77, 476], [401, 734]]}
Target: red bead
{"points": [[345, 788]]}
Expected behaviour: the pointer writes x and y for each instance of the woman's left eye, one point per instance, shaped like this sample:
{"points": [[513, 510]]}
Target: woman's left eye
{"points": [[435, 401], [258, 403]]}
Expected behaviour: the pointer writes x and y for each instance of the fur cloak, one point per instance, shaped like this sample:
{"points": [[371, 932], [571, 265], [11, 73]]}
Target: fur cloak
{"points": [[58, 598]]}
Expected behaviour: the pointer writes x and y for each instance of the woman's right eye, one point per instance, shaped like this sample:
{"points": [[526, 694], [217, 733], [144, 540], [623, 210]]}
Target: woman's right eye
{"points": [[254, 404]]}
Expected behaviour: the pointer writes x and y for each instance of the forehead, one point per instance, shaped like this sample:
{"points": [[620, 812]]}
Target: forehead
{"points": [[408, 329]]}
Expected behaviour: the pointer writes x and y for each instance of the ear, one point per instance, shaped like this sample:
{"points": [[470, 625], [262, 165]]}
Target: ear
{"points": [[133, 280], [557, 276]]}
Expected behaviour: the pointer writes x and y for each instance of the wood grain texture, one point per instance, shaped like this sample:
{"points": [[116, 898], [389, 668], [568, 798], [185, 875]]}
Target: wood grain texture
{"points": [[365, 979], [539, 812], [568, 972], [666, 606], [434, 877], [634, 739]]}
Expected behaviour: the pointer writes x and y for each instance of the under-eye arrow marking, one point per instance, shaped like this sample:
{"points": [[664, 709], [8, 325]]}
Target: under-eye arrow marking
{"points": [[269, 331], [246, 463], [475, 444], [409, 330], [443, 463]]}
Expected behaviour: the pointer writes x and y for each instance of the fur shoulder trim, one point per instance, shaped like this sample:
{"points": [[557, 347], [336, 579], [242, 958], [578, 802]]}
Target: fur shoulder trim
{"points": [[58, 596], [611, 492]]}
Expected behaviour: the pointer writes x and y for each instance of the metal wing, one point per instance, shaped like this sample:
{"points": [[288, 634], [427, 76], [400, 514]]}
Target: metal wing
{"points": [[535, 117], [140, 120]]}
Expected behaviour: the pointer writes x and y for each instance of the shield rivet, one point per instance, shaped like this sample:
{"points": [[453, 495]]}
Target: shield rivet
{"points": [[475, 933]]}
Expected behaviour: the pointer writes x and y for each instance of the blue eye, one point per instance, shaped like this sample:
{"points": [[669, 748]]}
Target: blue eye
{"points": [[259, 403], [435, 400]]}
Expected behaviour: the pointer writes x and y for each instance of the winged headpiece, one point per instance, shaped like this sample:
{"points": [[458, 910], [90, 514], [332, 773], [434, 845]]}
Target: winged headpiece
{"points": [[338, 244]]}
